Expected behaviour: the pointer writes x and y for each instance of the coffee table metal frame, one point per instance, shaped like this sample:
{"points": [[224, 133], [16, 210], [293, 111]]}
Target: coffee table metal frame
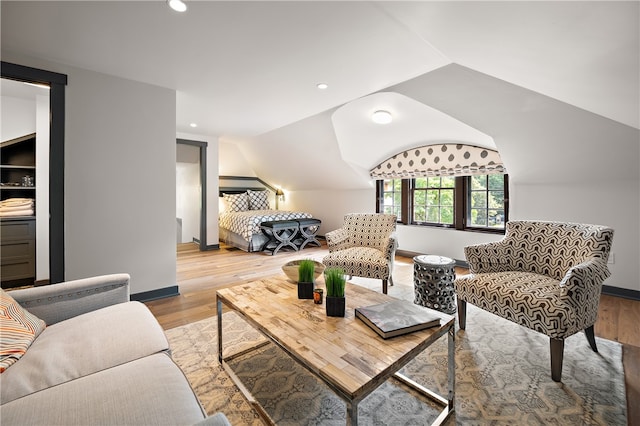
{"points": [[448, 402]]}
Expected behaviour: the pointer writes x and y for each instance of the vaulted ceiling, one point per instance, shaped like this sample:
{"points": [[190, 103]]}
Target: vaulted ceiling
{"points": [[247, 71], [245, 68]]}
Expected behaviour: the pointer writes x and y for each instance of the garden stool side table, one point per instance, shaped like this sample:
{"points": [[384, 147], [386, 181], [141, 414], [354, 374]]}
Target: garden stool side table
{"points": [[433, 278], [308, 229], [280, 233]]}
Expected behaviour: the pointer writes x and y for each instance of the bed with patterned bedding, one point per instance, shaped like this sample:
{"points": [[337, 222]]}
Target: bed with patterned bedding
{"points": [[239, 224]]}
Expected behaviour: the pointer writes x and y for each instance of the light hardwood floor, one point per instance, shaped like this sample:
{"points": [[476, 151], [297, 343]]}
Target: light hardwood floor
{"points": [[200, 274]]}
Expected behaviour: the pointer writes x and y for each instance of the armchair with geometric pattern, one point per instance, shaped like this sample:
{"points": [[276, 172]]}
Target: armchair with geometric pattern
{"points": [[365, 246], [546, 276]]}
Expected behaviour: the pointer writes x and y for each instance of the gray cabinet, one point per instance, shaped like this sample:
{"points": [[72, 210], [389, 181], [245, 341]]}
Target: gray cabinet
{"points": [[18, 245]]}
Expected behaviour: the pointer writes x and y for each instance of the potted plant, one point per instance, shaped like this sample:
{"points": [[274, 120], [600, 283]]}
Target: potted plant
{"points": [[335, 300], [306, 270]]}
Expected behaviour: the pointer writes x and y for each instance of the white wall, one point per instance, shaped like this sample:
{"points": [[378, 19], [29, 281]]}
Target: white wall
{"points": [[330, 206], [18, 117], [232, 162], [120, 157], [120, 179], [613, 204]]}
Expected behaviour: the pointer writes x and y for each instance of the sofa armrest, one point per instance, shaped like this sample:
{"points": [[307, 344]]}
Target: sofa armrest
{"points": [[57, 302], [581, 287], [337, 240], [391, 246], [488, 257]]}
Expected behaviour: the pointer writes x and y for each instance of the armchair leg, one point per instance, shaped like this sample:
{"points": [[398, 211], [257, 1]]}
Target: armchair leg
{"points": [[462, 314], [384, 286], [557, 353], [591, 338], [390, 280]]}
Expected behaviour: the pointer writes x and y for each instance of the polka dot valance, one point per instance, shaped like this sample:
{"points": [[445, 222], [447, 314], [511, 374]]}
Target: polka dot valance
{"points": [[448, 159]]}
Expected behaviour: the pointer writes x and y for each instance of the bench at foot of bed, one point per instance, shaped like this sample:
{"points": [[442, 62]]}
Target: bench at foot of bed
{"points": [[281, 233]]}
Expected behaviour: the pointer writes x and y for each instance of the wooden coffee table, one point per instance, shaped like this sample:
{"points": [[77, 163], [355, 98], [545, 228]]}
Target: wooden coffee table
{"points": [[342, 352]]}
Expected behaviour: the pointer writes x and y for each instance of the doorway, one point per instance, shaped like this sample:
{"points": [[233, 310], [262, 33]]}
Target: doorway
{"points": [[55, 170], [191, 192]]}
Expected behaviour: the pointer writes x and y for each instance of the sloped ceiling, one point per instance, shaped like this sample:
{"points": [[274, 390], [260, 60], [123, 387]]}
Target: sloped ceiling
{"points": [[247, 71]]}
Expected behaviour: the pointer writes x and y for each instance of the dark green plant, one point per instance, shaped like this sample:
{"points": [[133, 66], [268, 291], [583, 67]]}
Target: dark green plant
{"points": [[306, 269], [335, 281]]}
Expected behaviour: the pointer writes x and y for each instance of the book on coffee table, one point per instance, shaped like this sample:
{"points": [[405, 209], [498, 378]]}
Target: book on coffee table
{"points": [[398, 317]]}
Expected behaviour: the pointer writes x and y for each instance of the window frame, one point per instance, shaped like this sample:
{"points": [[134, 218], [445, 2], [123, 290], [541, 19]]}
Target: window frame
{"points": [[461, 205]]}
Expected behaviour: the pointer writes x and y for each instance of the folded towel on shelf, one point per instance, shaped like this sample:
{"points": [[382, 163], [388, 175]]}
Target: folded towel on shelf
{"points": [[9, 209], [12, 213], [17, 202], [17, 207]]}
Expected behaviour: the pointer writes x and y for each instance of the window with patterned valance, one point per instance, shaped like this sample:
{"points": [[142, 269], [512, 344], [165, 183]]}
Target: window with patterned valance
{"points": [[447, 159]]}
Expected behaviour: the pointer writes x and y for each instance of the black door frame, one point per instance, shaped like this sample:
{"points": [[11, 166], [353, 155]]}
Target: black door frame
{"points": [[203, 189], [57, 83]]}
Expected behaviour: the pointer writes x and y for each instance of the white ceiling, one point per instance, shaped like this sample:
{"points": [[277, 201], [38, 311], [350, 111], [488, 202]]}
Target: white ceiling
{"points": [[242, 69]]}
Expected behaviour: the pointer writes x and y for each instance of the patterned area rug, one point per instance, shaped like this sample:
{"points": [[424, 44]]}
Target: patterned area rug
{"points": [[502, 377]]}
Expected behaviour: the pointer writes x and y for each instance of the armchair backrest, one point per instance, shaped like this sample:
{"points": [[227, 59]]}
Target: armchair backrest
{"points": [[369, 229], [552, 248]]}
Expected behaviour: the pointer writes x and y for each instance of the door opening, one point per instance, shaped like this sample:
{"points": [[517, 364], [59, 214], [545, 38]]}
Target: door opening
{"points": [[191, 192]]}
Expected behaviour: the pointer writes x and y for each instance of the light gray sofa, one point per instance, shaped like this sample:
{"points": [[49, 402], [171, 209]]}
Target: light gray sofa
{"points": [[102, 360]]}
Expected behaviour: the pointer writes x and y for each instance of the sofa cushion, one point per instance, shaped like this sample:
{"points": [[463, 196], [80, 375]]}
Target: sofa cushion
{"points": [[148, 391], [532, 300], [18, 329], [84, 345], [366, 262]]}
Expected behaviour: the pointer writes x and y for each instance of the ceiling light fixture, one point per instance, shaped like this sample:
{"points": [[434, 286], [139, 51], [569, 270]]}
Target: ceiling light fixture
{"points": [[322, 86], [177, 5], [193, 125], [382, 117]]}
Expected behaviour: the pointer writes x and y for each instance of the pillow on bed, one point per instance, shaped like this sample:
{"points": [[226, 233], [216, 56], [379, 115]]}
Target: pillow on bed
{"points": [[258, 200], [236, 202]]}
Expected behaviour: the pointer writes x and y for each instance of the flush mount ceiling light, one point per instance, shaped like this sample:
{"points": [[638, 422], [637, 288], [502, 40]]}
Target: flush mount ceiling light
{"points": [[382, 117], [177, 5], [322, 86], [193, 125]]}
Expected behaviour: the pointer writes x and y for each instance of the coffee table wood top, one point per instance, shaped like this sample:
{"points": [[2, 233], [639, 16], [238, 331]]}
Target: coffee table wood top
{"points": [[347, 354]]}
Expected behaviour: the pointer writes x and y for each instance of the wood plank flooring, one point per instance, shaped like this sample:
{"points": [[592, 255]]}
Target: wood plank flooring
{"points": [[200, 274]]}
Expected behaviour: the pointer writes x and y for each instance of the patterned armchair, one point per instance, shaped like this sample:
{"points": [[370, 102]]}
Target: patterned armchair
{"points": [[365, 246], [546, 276]]}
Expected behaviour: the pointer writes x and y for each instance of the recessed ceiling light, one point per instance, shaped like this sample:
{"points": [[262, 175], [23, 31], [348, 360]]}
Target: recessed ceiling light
{"points": [[193, 125], [177, 5], [322, 86], [382, 117]]}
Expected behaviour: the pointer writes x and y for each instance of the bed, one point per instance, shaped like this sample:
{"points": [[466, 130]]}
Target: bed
{"points": [[243, 212]]}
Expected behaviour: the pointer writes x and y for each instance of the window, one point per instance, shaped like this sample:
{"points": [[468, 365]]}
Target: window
{"points": [[433, 200], [486, 201], [477, 203], [392, 197]]}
